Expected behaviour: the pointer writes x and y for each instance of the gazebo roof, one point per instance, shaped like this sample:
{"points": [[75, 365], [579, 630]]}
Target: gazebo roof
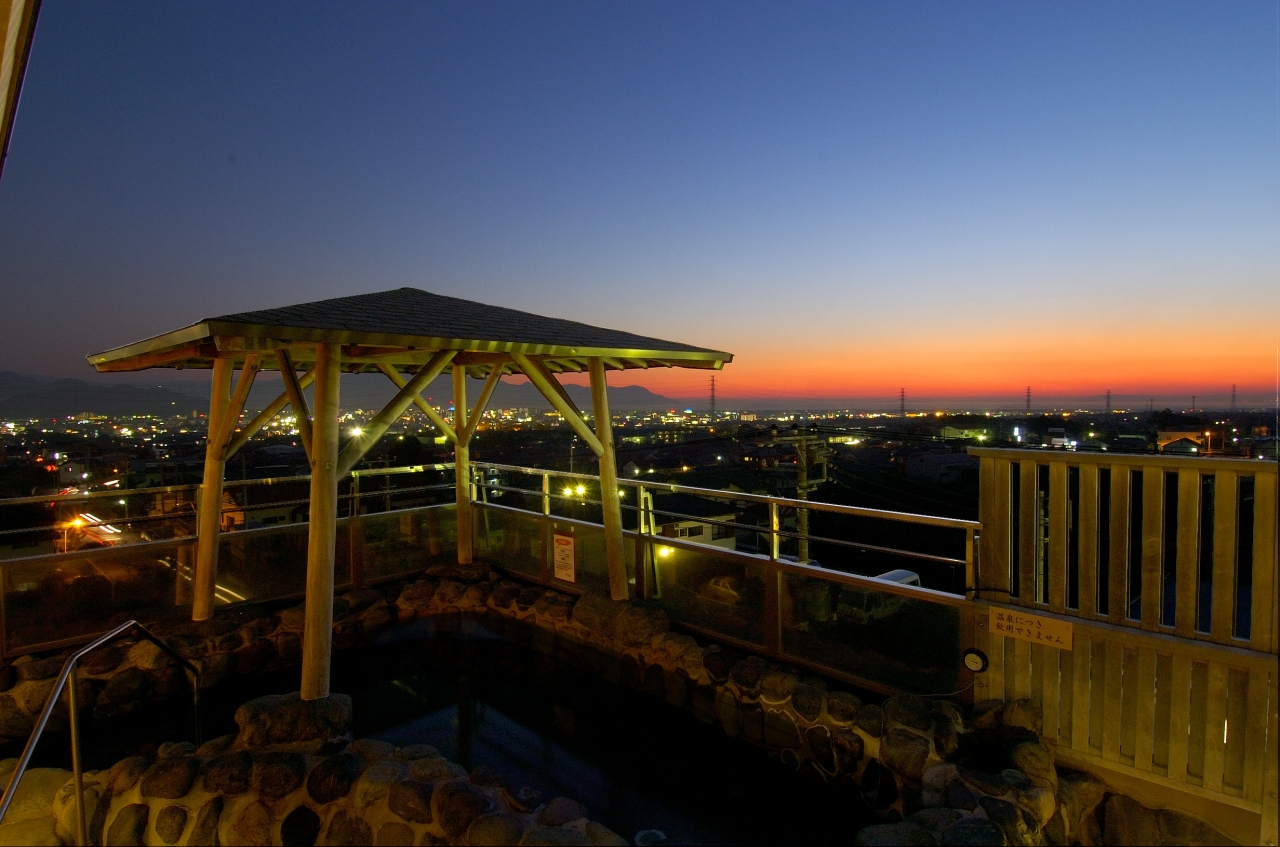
{"points": [[405, 327]]}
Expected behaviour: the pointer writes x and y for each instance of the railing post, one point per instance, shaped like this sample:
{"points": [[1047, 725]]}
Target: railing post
{"points": [[772, 608], [971, 572], [77, 768], [773, 531], [546, 494]]}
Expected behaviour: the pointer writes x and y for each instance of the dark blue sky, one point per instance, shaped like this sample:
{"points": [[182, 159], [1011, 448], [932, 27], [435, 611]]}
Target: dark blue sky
{"points": [[960, 198]]}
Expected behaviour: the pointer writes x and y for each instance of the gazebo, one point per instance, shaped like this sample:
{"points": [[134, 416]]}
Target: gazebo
{"points": [[412, 337]]}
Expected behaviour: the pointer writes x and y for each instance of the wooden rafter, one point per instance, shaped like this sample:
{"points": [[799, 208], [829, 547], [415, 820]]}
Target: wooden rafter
{"points": [[490, 383], [551, 388], [296, 398], [423, 406], [235, 408], [264, 417]]}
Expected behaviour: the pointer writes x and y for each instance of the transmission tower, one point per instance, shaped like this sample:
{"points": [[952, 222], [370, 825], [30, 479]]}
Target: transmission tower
{"points": [[1233, 397], [1028, 399], [713, 396], [902, 402], [1108, 401]]}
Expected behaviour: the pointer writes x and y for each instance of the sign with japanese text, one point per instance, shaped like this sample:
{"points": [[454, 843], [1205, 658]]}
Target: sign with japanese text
{"points": [[562, 549], [1034, 628]]}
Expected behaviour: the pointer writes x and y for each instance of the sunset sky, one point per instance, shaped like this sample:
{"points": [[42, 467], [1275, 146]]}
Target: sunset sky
{"points": [[958, 199]]}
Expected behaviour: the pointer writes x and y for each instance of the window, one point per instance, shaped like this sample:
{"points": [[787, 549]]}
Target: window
{"points": [[718, 532]]}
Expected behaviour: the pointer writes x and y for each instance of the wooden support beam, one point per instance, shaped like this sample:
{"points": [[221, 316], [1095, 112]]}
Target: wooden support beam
{"points": [[322, 531], [423, 406], [551, 388], [609, 499], [251, 429], [358, 446], [296, 398], [209, 513], [462, 466], [490, 383], [248, 372]]}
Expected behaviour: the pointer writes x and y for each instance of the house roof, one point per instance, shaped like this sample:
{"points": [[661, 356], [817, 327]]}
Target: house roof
{"points": [[404, 327]]}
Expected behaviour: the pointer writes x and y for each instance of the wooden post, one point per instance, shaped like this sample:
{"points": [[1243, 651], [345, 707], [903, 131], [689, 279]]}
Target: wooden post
{"points": [[462, 465], [210, 509], [609, 501], [317, 637]]}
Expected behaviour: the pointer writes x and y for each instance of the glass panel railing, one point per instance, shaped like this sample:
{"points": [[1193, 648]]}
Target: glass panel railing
{"points": [[906, 643], [398, 543], [78, 595], [590, 565], [512, 540], [269, 563], [721, 592]]}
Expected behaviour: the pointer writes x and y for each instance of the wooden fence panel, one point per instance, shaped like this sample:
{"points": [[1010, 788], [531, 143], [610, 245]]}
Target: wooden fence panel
{"points": [[1262, 635], [1143, 694], [1152, 542], [1188, 553], [1112, 717], [1088, 512], [1179, 717], [1027, 534], [1215, 717], [993, 505], [1081, 684], [1255, 742], [1057, 570], [1225, 495], [1119, 567]]}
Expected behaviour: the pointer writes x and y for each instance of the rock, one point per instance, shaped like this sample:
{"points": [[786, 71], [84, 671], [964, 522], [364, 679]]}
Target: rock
{"points": [[277, 775], [637, 624], [127, 687], [228, 774], [129, 826], [287, 718], [776, 686], [747, 674], [904, 753], [147, 656], [1078, 795], [871, 720], [674, 645], [819, 740], [173, 749], [879, 786], [807, 701], [495, 829], [1129, 822], [1039, 802], [908, 710], [600, 835], [719, 663], [300, 828], [985, 783], [169, 779], [843, 707], [523, 800], [451, 591], [553, 836], [936, 777], [375, 783], [849, 748], [38, 668], [935, 820], [64, 809], [333, 778], [31, 696], [504, 595], [288, 647], [36, 791], [37, 831], [205, 831], [561, 811], [252, 826], [894, 834], [527, 597], [780, 730], [959, 796], [417, 751], [949, 710], [417, 595], [347, 828], [1033, 759], [293, 619], [456, 804], [411, 800], [13, 721], [487, 775], [751, 717], [434, 770], [103, 660], [973, 832], [1009, 817], [394, 834], [253, 658], [727, 713], [360, 599], [170, 823], [987, 714], [125, 773], [1023, 713], [946, 741], [1016, 779], [1179, 828], [371, 749]]}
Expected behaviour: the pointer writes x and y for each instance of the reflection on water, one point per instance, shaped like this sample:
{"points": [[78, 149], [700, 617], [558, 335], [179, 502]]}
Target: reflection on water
{"points": [[636, 762]]}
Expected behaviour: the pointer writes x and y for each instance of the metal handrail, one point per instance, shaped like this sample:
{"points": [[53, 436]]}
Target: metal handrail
{"points": [[68, 674]]}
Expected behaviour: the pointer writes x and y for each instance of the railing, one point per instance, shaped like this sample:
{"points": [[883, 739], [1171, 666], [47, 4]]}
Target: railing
{"points": [[67, 681]]}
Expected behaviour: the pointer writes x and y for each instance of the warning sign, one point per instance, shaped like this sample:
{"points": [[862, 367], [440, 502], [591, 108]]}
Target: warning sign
{"points": [[1034, 628], [563, 557]]}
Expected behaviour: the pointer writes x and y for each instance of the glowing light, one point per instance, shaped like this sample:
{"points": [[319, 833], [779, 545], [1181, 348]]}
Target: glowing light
{"points": [[356, 432], [568, 491], [582, 489], [664, 552]]}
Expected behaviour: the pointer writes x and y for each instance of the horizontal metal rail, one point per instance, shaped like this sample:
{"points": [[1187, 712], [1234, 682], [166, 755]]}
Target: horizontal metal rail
{"points": [[68, 675]]}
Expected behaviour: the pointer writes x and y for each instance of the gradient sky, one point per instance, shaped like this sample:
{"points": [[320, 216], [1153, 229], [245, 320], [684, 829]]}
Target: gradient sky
{"points": [[958, 199]]}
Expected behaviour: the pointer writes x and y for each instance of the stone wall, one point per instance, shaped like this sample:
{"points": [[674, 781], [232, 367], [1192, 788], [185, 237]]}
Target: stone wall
{"points": [[894, 756]]}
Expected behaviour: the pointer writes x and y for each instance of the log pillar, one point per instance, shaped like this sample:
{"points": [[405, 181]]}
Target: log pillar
{"points": [[322, 534], [462, 465], [209, 516], [609, 499]]}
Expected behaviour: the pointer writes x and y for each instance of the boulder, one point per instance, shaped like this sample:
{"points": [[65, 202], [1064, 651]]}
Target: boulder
{"points": [[637, 624], [906, 834], [871, 720], [819, 740], [478, 595], [1040, 802], [277, 775], [450, 592], [776, 685], [807, 700], [29, 668], [959, 796], [170, 823], [173, 749], [719, 663], [950, 711], [359, 599], [553, 836], [13, 721], [935, 820], [908, 710], [205, 831], [435, 769], [147, 656], [504, 594], [1010, 819], [600, 835], [300, 828], [127, 687], [1129, 822], [125, 773], [1023, 713], [169, 779], [375, 783], [561, 811], [780, 730], [1035, 760], [394, 834], [128, 827], [417, 595], [987, 714], [946, 741], [973, 832], [371, 749], [333, 778], [411, 800], [905, 753], [253, 658], [252, 827], [37, 831], [849, 748], [288, 719], [1078, 794], [348, 829], [488, 776], [456, 804], [527, 597], [36, 791], [495, 829], [523, 800], [1180, 828]]}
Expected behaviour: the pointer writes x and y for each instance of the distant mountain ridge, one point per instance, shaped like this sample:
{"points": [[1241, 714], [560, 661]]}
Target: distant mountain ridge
{"points": [[25, 396]]}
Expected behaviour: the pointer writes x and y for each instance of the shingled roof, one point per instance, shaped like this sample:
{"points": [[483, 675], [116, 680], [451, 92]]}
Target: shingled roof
{"points": [[402, 327]]}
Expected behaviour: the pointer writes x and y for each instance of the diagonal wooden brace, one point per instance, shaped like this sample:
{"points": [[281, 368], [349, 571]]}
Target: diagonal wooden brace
{"points": [[376, 428], [551, 388], [423, 406]]}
